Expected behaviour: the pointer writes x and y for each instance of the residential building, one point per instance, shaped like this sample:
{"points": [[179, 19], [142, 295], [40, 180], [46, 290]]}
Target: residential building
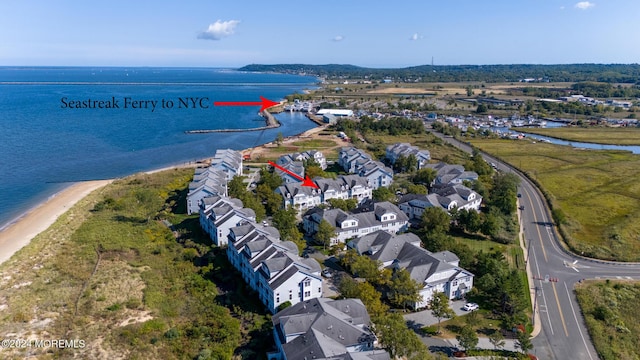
{"points": [[206, 182], [377, 174], [272, 267], [451, 174], [381, 216], [219, 214], [350, 159], [325, 329], [448, 198], [395, 151], [433, 271], [317, 156], [228, 161], [343, 187]]}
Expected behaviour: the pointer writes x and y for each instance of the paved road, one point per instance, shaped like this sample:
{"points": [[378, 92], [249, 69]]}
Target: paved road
{"points": [[564, 334]]}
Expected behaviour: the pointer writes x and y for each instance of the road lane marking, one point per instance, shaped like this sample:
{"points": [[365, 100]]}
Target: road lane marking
{"points": [[544, 298], [584, 341], [535, 218], [564, 325]]}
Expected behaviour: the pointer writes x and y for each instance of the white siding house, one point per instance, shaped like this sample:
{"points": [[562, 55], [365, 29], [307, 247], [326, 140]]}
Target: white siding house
{"points": [[383, 216], [434, 271]]}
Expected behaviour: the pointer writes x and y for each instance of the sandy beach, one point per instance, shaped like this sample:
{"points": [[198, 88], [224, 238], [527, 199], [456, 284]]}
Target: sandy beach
{"points": [[20, 233]]}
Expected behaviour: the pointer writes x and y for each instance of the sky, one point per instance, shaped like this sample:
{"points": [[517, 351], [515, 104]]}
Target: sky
{"points": [[369, 33]]}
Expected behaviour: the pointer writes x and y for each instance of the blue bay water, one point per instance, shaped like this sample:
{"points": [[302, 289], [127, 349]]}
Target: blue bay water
{"points": [[44, 146]]}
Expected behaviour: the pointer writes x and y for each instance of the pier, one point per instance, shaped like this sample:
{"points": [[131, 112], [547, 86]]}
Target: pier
{"points": [[270, 120]]}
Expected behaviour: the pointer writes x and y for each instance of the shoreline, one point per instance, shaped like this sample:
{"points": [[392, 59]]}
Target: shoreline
{"points": [[19, 232]]}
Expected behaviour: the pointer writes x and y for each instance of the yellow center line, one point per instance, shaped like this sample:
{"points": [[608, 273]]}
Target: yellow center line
{"points": [[564, 325], [535, 218]]}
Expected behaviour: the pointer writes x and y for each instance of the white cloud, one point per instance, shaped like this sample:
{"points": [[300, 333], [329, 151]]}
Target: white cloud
{"points": [[415, 37], [561, 7], [219, 30], [584, 5], [338, 38]]}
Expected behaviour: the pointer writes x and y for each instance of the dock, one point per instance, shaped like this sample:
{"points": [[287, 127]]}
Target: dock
{"points": [[270, 120]]}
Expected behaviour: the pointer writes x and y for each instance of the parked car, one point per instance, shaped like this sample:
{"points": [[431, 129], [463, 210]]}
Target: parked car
{"points": [[326, 273], [519, 195], [470, 307]]}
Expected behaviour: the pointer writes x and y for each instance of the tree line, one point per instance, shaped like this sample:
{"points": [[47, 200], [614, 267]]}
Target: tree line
{"points": [[610, 73]]}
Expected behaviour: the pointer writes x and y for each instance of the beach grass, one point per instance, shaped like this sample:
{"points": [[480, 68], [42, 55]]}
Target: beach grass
{"points": [[597, 135], [612, 315], [112, 273], [597, 190]]}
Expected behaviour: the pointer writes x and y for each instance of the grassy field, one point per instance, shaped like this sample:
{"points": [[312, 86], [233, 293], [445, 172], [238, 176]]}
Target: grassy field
{"points": [[612, 315], [597, 190], [613, 136], [111, 273]]}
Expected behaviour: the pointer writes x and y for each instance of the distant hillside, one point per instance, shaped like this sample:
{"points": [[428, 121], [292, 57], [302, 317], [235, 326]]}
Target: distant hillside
{"points": [[611, 73]]}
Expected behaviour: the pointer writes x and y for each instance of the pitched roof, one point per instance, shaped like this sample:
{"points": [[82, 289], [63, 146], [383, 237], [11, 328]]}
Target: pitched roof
{"points": [[324, 328]]}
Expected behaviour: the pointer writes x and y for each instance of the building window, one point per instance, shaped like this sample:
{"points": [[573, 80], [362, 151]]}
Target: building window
{"points": [[307, 283], [319, 290], [277, 299], [290, 297], [307, 294]]}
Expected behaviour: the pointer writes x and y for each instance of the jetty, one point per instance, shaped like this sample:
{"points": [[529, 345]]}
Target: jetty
{"points": [[270, 123]]}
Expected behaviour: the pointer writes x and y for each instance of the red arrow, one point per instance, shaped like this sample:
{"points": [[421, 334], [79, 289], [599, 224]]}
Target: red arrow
{"points": [[264, 103], [305, 181]]}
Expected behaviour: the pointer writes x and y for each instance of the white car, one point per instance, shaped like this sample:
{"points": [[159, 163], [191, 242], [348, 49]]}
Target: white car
{"points": [[326, 273], [470, 307]]}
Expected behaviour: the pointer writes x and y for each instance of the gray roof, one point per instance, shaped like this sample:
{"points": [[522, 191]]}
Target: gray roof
{"points": [[422, 264], [365, 219], [382, 246], [324, 329]]}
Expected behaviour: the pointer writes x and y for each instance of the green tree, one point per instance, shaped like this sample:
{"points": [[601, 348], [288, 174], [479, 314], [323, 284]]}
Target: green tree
{"points": [[287, 224], [439, 305], [403, 289], [398, 339], [467, 338], [345, 205], [383, 194], [279, 139], [371, 298], [417, 189], [435, 220], [250, 201], [325, 233], [523, 342], [270, 178], [271, 200], [236, 187], [497, 339], [366, 268], [425, 176]]}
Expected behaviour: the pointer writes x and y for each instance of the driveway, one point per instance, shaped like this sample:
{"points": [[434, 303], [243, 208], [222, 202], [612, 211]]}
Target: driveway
{"points": [[424, 318]]}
